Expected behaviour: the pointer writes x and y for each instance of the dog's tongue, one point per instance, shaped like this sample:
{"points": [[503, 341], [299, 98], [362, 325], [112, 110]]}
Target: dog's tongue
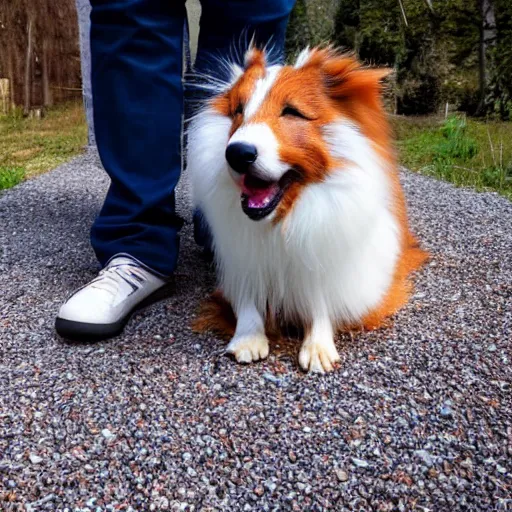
{"points": [[258, 196]]}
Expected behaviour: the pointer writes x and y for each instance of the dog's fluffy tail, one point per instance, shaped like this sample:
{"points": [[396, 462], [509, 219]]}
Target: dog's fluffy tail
{"points": [[217, 316]]}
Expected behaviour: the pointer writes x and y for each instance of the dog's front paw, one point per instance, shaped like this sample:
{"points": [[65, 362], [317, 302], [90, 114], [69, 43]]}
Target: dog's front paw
{"points": [[318, 357], [249, 348]]}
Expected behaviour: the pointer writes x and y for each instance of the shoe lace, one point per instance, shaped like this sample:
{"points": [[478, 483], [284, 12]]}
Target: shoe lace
{"points": [[111, 277]]}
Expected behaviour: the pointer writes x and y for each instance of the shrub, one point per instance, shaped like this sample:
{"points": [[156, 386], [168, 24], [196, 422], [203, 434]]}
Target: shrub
{"points": [[456, 143]]}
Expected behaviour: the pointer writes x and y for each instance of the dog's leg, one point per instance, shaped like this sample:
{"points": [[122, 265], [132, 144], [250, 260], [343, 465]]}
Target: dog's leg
{"points": [[249, 342], [318, 352]]}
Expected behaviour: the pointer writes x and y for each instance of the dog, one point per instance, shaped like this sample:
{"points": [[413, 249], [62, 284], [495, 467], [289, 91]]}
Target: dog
{"points": [[294, 169]]}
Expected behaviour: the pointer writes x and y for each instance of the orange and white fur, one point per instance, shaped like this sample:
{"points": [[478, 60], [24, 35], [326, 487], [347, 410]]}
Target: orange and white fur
{"points": [[313, 229]]}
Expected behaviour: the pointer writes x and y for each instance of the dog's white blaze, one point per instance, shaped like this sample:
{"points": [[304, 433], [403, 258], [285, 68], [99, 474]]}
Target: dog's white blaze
{"points": [[261, 89], [335, 255], [268, 164]]}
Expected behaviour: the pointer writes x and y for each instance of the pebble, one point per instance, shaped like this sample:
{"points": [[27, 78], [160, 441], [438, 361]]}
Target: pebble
{"points": [[343, 475], [402, 422], [360, 463], [107, 434], [425, 456], [446, 411], [270, 485], [278, 381], [467, 463], [35, 459], [259, 490]]}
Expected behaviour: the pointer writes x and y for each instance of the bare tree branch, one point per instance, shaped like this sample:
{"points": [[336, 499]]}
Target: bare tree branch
{"points": [[429, 5], [403, 12], [28, 69]]}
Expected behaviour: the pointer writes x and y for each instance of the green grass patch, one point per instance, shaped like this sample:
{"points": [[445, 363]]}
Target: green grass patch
{"points": [[463, 151], [38, 145], [10, 176]]}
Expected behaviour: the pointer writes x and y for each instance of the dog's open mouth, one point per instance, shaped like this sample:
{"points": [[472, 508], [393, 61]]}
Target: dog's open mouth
{"points": [[260, 197]]}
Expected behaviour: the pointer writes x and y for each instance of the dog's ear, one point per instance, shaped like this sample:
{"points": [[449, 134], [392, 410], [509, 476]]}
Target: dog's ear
{"points": [[254, 57], [345, 79], [254, 64]]}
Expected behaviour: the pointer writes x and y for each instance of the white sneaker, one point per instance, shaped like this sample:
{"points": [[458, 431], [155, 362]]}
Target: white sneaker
{"points": [[101, 308]]}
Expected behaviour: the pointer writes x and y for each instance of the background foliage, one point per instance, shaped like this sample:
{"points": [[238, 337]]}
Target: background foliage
{"points": [[434, 51]]}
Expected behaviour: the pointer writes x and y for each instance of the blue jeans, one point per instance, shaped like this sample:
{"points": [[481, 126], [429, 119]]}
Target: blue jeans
{"points": [[137, 48]]}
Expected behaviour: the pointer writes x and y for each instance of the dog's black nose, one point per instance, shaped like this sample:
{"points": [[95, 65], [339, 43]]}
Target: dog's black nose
{"points": [[240, 155]]}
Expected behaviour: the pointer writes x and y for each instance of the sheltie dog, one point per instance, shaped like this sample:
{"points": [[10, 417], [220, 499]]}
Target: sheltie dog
{"points": [[294, 170]]}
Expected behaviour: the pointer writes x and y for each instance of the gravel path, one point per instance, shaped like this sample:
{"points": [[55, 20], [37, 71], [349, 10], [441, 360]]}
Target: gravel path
{"points": [[419, 417]]}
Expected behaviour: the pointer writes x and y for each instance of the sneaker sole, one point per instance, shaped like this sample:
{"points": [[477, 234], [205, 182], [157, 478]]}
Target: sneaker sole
{"points": [[87, 332]]}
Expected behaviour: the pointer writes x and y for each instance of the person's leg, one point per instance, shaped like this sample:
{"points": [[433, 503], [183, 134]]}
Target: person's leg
{"points": [[136, 48], [229, 24], [226, 29]]}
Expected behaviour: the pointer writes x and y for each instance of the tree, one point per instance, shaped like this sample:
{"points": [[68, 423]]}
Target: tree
{"points": [[27, 80], [498, 86], [39, 51], [488, 34], [430, 44]]}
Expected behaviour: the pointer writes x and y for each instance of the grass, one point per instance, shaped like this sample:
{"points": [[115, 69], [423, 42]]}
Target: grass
{"points": [[29, 147], [466, 152], [10, 176]]}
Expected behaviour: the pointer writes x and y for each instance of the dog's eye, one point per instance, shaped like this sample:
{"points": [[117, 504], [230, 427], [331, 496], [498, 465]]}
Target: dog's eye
{"points": [[239, 110], [288, 110]]}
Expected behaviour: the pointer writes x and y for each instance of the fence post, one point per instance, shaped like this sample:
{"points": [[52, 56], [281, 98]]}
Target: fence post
{"points": [[84, 12]]}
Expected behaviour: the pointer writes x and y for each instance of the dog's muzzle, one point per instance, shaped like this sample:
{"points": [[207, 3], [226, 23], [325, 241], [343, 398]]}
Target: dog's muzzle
{"points": [[259, 195]]}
